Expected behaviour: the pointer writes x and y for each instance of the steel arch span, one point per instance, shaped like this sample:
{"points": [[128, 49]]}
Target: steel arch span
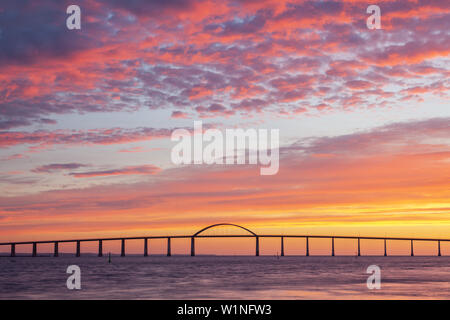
{"points": [[224, 224]]}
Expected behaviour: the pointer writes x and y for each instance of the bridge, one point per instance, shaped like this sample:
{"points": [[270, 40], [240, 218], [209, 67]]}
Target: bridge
{"points": [[200, 234]]}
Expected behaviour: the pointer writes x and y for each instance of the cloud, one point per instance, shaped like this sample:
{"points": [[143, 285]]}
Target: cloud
{"points": [[359, 84], [387, 174], [137, 149], [179, 115], [395, 137], [30, 32], [136, 170], [18, 180], [180, 55], [214, 110], [44, 138], [48, 168], [8, 124], [154, 8]]}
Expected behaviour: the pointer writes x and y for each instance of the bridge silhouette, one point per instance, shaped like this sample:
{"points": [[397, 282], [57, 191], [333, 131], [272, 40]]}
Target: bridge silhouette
{"points": [[199, 234]]}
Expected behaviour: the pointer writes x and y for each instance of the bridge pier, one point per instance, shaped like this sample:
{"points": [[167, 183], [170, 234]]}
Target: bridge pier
{"points": [[55, 249], [257, 246], [307, 246], [13, 250], [78, 249], [412, 249], [282, 246], [145, 247], [168, 247], [332, 247], [192, 246], [100, 248], [122, 250], [439, 248], [34, 254], [385, 249], [359, 247]]}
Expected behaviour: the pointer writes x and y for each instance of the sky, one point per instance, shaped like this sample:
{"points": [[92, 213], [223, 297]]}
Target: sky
{"points": [[86, 117]]}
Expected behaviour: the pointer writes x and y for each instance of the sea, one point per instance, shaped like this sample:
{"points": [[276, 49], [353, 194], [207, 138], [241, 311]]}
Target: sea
{"points": [[225, 277]]}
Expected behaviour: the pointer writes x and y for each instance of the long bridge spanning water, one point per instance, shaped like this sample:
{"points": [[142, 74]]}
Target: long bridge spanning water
{"points": [[199, 234]]}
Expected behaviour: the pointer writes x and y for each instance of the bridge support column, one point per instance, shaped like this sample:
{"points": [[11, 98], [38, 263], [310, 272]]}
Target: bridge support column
{"points": [[332, 247], [359, 247], [122, 250], [257, 246], [78, 249], [34, 254], [282, 246], [385, 248], [192, 246], [13, 250], [412, 249], [439, 248], [168, 247], [307, 246], [145, 247], [100, 248], [55, 250]]}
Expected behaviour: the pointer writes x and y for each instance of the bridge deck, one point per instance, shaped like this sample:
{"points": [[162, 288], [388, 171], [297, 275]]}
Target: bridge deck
{"points": [[199, 234], [225, 236]]}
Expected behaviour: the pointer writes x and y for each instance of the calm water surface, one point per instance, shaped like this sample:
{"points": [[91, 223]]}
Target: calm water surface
{"points": [[210, 277]]}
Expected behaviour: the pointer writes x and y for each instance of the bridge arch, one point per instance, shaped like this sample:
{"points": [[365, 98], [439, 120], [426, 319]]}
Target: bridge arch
{"points": [[224, 224]]}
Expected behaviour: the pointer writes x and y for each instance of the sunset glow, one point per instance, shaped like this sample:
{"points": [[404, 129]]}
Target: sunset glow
{"points": [[86, 118]]}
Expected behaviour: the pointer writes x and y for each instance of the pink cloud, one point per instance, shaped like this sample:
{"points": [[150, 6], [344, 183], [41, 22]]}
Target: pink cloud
{"points": [[57, 167], [44, 138], [226, 52]]}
